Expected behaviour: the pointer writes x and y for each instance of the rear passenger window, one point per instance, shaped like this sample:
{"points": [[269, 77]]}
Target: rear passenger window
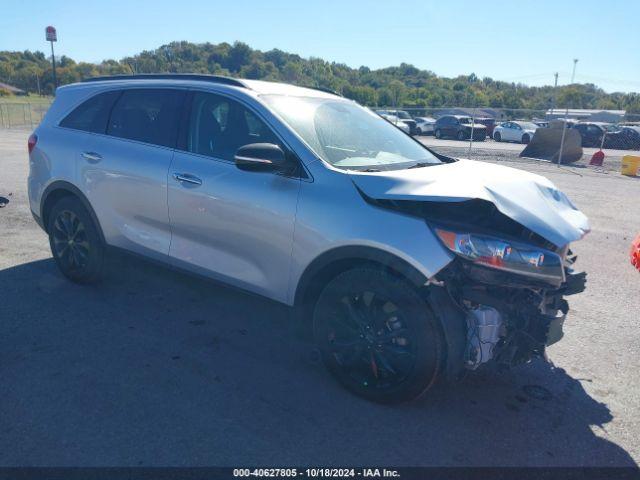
{"points": [[93, 114], [147, 115]]}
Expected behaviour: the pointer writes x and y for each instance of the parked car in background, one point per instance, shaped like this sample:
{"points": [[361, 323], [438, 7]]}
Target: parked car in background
{"points": [[406, 118], [488, 122], [394, 117], [424, 125], [540, 123], [396, 121], [631, 136], [516, 131], [460, 127], [592, 133]]}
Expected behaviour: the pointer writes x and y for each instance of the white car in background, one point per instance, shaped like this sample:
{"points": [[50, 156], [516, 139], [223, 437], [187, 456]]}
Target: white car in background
{"points": [[397, 122], [424, 125], [517, 131]]}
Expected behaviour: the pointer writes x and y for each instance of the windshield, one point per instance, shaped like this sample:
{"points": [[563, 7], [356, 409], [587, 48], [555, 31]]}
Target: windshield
{"points": [[349, 136], [465, 120], [528, 125]]}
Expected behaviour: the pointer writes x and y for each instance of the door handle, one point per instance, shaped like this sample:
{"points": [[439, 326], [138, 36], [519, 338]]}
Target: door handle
{"points": [[188, 178], [92, 157]]}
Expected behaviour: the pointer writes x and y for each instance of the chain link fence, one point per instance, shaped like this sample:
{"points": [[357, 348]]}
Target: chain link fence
{"points": [[22, 114]]}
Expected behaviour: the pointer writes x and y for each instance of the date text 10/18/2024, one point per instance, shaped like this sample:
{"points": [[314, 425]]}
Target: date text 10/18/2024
{"points": [[316, 472]]}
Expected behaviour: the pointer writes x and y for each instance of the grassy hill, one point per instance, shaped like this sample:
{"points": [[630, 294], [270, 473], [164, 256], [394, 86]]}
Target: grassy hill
{"points": [[403, 85]]}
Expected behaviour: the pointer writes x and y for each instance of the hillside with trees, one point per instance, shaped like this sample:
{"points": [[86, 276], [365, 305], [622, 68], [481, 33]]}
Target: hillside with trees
{"points": [[403, 85]]}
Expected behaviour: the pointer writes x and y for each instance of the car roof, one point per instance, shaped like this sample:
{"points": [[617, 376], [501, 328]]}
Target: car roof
{"points": [[260, 87]]}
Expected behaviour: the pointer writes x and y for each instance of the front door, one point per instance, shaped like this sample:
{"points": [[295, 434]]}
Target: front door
{"points": [[227, 223]]}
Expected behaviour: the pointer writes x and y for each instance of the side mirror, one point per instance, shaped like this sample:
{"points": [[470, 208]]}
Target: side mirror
{"points": [[260, 157]]}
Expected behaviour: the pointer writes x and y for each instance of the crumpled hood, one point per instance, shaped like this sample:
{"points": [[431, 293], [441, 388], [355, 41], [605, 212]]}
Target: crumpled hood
{"points": [[527, 198]]}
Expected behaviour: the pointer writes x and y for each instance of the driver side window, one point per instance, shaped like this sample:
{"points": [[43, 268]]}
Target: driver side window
{"points": [[219, 126]]}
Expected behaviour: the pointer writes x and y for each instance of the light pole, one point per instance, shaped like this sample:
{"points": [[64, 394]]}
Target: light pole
{"points": [[52, 36], [564, 124]]}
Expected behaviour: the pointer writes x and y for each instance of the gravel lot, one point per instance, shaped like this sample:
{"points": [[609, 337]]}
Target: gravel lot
{"points": [[157, 368]]}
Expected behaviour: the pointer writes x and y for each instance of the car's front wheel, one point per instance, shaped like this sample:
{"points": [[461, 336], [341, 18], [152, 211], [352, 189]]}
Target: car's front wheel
{"points": [[497, 137], [438, 133], [419, 131], [526, 138], [75, 242], [377, 336], [462, 135]]}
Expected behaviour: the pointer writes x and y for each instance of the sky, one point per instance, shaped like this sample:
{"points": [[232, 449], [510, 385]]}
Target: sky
{"points": [[514, 40]]}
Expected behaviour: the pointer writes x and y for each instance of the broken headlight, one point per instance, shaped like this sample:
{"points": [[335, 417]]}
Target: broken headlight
{"points": [[505, 255]]}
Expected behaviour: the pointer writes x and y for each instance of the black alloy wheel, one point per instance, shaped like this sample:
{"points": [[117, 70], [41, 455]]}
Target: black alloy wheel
{"points": [[377, 336], [70, 243], [75, 242]]}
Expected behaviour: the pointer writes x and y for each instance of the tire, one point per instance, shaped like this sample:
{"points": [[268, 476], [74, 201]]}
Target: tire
{"points": [[437, 133], [419, 131], [75, 242], [461, 135], [377, 336], [526, 138], [497, 137]]}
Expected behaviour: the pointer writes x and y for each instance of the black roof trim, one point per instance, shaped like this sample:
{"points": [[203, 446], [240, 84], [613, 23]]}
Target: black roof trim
{"points": [[322, 89], [171, 76]]}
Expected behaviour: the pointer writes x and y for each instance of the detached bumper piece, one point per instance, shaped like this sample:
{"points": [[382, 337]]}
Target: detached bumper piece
{"points": [[575, 283]]}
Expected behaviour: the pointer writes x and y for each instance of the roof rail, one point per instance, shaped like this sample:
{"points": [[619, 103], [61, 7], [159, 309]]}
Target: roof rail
{"points": [[171, 76]]}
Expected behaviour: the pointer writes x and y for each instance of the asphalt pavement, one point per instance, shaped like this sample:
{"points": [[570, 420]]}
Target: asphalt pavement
{"points": [[157, 368]]}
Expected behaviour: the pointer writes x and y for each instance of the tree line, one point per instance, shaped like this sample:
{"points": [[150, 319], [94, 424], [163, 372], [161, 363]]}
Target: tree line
{"points": [[402, 86]]}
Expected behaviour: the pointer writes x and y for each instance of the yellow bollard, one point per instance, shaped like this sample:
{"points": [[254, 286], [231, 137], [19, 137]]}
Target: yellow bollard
{"points": [[630, 165]]}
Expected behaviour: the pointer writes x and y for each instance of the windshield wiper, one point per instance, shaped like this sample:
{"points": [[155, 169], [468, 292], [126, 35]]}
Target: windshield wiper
{"points": [[371, 170], [421, 164]]}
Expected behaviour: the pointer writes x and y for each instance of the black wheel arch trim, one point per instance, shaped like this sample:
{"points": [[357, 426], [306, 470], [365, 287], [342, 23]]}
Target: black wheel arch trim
{"points": [[61, 185], [358, 254]]}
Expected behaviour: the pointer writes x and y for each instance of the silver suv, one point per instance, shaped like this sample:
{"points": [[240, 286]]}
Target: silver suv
{"points": [[406, 265]]}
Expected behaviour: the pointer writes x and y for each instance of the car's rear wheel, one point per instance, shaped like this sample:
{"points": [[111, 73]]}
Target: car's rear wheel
{"points": [[462, 135], [419, 131], [377, 336], [497, 137], [438, 133], [526, 138], [75, 242]]}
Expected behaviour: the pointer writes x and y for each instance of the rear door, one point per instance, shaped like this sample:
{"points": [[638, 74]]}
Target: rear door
{"points": [[227, 223], [124, 173]]}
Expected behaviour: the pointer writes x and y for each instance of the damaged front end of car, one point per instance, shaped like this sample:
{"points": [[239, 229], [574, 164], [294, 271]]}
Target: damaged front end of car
{"points": [[502, 298], [510, 318]]}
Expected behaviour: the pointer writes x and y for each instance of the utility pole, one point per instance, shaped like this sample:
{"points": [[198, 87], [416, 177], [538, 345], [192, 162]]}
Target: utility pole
{"points": [[52, 36], [554, 101], [564, 124]]}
